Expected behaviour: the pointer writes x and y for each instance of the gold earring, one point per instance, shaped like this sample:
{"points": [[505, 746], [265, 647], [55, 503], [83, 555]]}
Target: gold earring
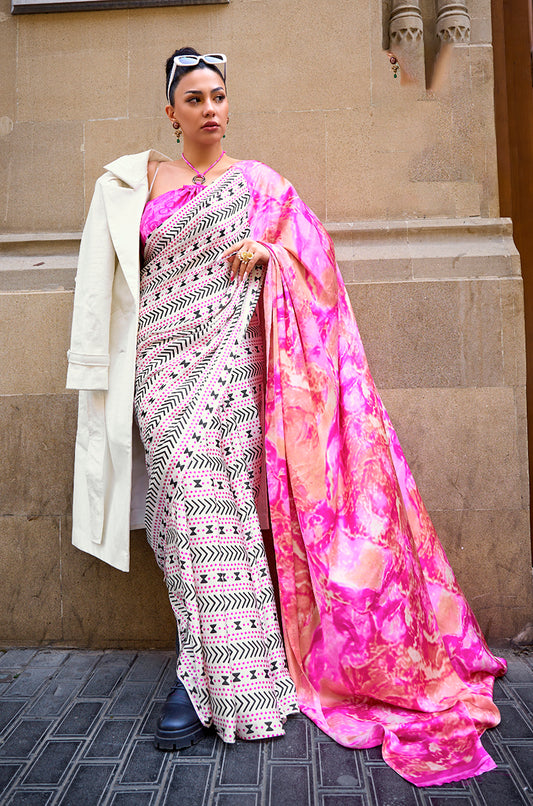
{"points": [[178, 131], [394, 64]]}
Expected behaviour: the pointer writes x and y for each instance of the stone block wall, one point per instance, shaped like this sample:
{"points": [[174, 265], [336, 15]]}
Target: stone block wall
{"points": [[442, 324], [439, 306], [406, 181], [319, 103]]}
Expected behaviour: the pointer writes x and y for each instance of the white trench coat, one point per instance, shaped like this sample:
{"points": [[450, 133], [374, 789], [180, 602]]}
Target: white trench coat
{"points": [[102, 365]]}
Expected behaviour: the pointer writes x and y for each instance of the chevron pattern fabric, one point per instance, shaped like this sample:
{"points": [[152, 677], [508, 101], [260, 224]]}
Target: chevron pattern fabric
{"points": [[198, 397]]}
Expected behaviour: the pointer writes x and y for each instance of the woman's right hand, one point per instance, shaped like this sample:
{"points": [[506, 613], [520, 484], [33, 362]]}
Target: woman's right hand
{"points": [[244, 256]]}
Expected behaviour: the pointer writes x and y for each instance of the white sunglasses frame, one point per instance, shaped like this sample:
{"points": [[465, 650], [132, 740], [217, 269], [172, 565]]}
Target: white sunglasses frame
{"points": [[219, 61]]}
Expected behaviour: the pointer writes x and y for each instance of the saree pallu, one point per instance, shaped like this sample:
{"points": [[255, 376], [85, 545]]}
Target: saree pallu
{"points": [[380, 640], [381, 643], [198, 398]]}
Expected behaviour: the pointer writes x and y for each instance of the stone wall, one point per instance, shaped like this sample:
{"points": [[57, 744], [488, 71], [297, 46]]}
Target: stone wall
{"points": [[318, 102], [405, 180], [439, 306]]}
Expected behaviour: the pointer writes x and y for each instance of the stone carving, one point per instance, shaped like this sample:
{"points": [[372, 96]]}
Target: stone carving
{"points": [[453, 22], [405, 23]]}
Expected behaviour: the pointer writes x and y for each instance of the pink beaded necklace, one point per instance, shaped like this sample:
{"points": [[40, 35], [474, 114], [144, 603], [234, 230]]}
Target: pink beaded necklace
{"points": [[199, 179]]}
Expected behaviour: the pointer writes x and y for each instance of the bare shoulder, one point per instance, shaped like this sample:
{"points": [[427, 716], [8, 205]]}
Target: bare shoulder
{"points": [[152, 167]]}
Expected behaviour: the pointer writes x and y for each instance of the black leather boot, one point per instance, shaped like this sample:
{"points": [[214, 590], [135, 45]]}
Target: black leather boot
{"points": [[178, 725]]}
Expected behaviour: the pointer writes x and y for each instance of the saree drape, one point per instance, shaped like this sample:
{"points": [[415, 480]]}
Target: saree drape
{"points": [[380, 640], [198, 395], [381, 644]]}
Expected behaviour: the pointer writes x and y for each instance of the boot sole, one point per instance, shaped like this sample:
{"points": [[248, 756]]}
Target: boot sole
{"points": [[176, 742]]}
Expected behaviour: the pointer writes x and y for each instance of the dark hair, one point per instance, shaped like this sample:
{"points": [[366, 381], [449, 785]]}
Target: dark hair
{"points": [[182, 71]]}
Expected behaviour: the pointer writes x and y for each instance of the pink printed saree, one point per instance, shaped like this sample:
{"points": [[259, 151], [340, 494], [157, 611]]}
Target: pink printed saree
{"points": [[381, 643]]}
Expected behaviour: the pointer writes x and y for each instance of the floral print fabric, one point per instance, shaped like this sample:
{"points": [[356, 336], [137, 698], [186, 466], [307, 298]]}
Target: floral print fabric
{"points": [[380, 640]]}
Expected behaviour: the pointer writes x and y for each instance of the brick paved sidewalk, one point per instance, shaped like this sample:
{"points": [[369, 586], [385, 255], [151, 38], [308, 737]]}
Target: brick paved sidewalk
{"points": [[76, 729]]}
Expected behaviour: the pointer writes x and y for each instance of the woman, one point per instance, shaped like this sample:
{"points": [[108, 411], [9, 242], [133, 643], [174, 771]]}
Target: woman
{"points": [[381, 645]]}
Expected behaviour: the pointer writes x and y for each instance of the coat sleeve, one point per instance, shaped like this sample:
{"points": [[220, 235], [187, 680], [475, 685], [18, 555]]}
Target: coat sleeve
{"points": [[88, 357]]}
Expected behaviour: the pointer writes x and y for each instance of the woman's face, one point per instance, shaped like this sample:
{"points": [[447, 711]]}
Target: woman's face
{"points": [[200, 106]]}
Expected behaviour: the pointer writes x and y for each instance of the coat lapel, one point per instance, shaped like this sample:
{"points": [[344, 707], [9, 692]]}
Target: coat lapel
{"points": [[124, 201]]}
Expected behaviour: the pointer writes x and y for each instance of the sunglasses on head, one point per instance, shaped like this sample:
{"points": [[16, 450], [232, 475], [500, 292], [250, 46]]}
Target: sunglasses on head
{"points": [[185, 60]]}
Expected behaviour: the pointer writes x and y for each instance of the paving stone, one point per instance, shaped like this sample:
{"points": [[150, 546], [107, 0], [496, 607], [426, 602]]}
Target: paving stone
{"points": [[500, 691], [318, 734], [241, 764], [111, 737], [21, 742], [131, 699], [29, 682], [513, 724], [78, 665], [88, 785], [490, 742], [26, 797], [107, 704], [134, 798], [102, 681], [294, 746], [79, 719], [147, 666], [207, 748], [454, 800], [145, 764], [9, 710], [7, 677], [116, 657], [49, 657], [523, 755], [53, 763], [451, 786], [16, 658], [518, 671], [7, 773], [525, 695], [338, 766], [168, 679], [237, 799], [54, 698], [289, 784], [149, 723], [390, 789], [374, 753], [189, 785], [498, 787]]}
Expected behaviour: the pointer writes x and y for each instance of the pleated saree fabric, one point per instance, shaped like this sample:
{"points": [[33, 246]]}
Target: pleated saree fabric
{"points": [[381, 644], [198, 397]]}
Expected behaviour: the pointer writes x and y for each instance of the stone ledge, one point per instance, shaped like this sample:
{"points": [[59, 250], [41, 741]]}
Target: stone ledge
{"points": [[425, 249], [367, 251], [38, 261]]}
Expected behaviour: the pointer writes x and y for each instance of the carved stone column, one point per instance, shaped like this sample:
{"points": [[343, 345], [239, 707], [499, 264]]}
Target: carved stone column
{"points": [[406, 36], [453, 22], [405, 24]]}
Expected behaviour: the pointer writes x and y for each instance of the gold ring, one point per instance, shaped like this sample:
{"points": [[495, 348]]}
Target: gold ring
{"points": [[245, 256]]}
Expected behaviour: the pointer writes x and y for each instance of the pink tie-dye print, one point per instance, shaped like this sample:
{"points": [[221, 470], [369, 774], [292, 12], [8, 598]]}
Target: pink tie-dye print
{"points": [[381, 642]]}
